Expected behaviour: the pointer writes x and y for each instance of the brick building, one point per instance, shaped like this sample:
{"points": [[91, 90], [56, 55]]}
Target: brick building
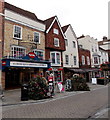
{"points": [[84, 58], [55, 45], [24, 47], [1, 33]]}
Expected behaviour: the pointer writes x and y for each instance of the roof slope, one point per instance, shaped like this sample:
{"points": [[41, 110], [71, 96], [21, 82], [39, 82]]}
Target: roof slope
{"points": [[49, 21], [64, 28], [21, 12]]}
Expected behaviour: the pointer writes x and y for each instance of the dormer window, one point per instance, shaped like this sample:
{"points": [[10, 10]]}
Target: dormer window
{"points": [[55, 31]]}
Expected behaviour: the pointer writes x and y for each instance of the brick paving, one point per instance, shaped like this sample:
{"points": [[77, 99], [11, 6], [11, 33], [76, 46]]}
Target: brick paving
{"points": [[75, 105]]}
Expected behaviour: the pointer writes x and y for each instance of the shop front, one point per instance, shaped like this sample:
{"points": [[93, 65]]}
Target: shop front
{"points": [[16, 71], [57, 73]]}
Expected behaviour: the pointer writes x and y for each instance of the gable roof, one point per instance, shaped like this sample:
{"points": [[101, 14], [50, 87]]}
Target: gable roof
{"points": [[49, 23], [21, 12], [64, 28]]}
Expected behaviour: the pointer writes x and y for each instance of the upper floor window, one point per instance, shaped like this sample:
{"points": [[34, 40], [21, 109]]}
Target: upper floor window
{"points": [[18, 51], [17, 32], [56, 42], [88, 60], [74, 44], [95, 60], [83, 60], [55, 31], [55, 58], [66, 42], [75, 60], [80, 46], [92, 49], [39, 53], [66, 59], [37, 37]]}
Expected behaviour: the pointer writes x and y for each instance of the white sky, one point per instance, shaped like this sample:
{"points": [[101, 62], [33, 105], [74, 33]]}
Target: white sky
{"points": [[88, 17]]}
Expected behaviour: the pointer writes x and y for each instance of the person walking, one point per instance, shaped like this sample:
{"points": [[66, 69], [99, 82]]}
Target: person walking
{"points": [[51, 85]]}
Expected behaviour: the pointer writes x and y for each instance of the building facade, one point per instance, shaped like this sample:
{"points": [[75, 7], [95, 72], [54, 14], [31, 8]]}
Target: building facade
{"points": [[54, 47], [85, 63], [70, 56], [105, 44], [1, 35], [91, 44], [24, 47]]}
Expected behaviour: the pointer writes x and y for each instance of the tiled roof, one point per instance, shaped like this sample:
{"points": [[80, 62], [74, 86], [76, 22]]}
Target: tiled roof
{"points": [[21, 11], [49, 21], [64, 28], [82, 36]]}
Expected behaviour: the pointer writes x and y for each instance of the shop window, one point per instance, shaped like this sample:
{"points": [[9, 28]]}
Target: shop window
{"points": [[83, 60], [75, 60], [55, 31], [18, 51], [39, 54], [67, 59], [37, 37], [17, 34], [55, 58], [56, 42]]}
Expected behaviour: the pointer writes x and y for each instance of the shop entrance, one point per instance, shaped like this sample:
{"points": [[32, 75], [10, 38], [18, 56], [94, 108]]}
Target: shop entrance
{"points": [[12, 78]]}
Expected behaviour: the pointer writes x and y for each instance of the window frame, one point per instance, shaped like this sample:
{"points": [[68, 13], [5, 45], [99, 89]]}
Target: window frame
{"points": [[74, 60], [55, 64], [67, 59], [88, 60], [83, 60], [17, 47], [36, 50], [57, 42], [56, 31], [74, 44], [14, 32], [34, 37]]}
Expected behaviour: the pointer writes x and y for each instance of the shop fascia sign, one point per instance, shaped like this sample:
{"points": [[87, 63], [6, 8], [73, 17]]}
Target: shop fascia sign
{"points": [[27, 64]]}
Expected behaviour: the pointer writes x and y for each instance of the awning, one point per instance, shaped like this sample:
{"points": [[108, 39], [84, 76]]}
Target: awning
{"points": [[83, 70], [76, 70]]}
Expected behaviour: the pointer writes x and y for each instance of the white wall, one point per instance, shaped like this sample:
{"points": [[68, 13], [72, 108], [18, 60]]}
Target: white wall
{"points": [[104, 56], [70, 50], [89, 43], [10, 15]]}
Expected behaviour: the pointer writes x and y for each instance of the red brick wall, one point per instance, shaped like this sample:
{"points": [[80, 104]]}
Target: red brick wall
{"points": [[84, 53], [50, 38], [2, 78], [1, 26]]}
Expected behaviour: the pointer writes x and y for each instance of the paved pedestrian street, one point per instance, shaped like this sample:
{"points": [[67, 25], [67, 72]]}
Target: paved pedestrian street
{"points": [[79, 105]]}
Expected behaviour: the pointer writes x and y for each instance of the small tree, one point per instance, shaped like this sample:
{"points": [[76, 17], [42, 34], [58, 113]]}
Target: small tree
{"points": [[38, 88], [79, 83]]}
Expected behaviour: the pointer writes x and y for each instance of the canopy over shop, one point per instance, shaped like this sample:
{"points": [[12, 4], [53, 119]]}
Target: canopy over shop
{"points": [[16, 71]]}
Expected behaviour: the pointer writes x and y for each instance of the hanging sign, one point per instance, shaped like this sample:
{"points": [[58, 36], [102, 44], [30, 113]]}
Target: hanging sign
{"points": [[32, 55]]}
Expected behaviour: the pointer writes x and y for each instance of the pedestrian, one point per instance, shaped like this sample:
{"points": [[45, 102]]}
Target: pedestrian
{"points": [[51, 85]]}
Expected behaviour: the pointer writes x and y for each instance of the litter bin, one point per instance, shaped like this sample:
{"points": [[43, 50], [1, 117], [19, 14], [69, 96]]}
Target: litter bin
{"points": [[24, 92]]}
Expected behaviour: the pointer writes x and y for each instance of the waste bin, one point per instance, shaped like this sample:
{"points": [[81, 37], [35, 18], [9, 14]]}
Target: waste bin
{"points": [[24, 92]]}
